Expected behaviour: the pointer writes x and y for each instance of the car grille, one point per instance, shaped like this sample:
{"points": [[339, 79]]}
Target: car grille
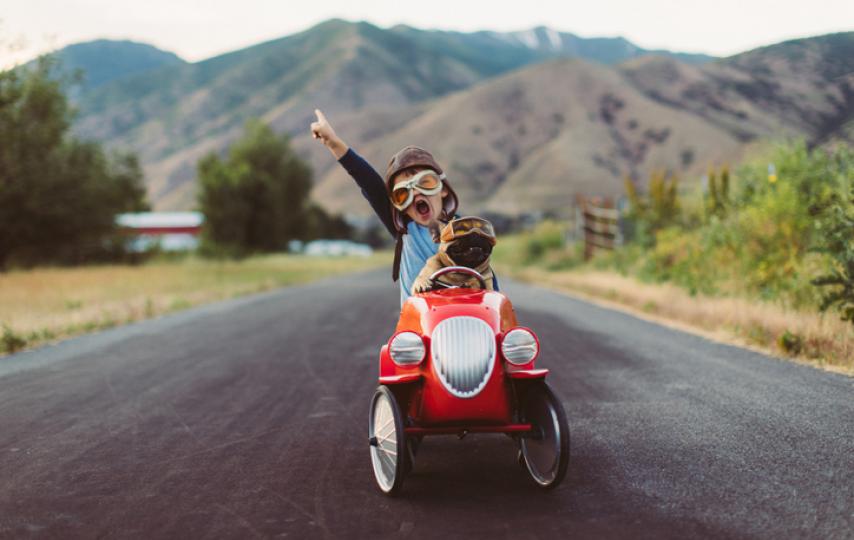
{"points": [[463, 350]]}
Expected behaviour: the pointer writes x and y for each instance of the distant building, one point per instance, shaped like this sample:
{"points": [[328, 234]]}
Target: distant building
{"points": [[171, 231]]}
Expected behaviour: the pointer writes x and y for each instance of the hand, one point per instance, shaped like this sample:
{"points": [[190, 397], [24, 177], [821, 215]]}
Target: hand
{"points": [[323, 131]]}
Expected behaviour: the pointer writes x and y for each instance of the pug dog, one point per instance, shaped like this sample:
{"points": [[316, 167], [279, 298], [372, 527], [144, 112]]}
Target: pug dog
{"points": [[466, 241]]}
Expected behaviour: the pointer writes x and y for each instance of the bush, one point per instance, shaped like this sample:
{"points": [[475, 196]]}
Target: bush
{"points": [[256, 200], [836, 229], [545, 237], [11, 341], [654, 210], [758, 242], [58, 195]]}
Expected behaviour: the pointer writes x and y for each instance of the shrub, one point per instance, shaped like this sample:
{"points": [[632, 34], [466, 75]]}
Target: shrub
{"points": [[836, 227], [11, 341], [546, 236], [257, 199], [58, 194], [654, 210]]}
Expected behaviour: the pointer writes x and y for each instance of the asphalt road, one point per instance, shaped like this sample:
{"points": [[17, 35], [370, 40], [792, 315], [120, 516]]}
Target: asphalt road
{"points": [[248, 419]]}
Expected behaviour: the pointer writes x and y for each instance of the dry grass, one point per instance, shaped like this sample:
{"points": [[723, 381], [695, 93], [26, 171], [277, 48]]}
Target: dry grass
{"points": [[42, 305], [821, 340]]}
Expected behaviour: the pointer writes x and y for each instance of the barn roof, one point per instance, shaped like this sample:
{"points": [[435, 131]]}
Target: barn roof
{"points": [[160, 219]]}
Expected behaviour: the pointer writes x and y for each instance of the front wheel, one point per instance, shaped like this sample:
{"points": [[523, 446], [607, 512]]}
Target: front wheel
{"points": [[545, 451], [387, 441]]}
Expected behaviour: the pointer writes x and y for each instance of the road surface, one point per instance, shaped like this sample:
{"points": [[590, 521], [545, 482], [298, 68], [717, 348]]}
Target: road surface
{"points": [[248, 419]]}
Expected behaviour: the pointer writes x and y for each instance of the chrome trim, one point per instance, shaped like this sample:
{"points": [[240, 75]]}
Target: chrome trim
{"points": [[463, 353], [407, 349], [519, 353]]}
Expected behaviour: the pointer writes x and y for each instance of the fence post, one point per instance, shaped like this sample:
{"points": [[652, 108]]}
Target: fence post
{"points": [[601, 226]]}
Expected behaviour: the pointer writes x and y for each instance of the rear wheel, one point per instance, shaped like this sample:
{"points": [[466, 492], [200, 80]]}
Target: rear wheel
{"points": [[387, 441], [545, 451]]}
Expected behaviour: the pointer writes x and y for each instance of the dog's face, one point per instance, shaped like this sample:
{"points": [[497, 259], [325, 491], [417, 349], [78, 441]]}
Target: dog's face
{"points": [[470, 250]]}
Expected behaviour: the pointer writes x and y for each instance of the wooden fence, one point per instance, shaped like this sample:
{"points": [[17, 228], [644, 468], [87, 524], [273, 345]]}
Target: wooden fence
{"points": [[599, 222]]}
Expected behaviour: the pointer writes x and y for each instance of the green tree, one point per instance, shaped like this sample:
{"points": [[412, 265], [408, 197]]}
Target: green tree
{"points": [[717, 199], [653, 211], [256, 200], [58, 195], [837, 241]]}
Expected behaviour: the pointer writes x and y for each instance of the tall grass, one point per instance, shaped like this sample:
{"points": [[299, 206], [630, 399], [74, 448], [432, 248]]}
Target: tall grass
{"points": [[48, 303], [745, 255]]}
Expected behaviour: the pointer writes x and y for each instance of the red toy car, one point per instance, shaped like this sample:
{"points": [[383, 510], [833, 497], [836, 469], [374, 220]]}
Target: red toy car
{"points": [[458, 363]]}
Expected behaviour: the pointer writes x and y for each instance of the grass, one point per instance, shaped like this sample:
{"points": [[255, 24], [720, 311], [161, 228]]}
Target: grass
{"points": [[819, 339], [46, 304], [822, 340]]}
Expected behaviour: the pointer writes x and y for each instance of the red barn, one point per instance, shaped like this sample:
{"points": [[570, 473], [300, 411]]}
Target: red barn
{"points": [[172, 231]]}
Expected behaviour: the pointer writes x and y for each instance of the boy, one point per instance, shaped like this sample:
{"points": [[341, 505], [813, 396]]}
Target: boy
{"points": [[414, 200]]}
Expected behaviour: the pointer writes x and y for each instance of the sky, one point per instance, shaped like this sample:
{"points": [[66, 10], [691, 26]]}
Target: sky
{"points": [[196, 29]]}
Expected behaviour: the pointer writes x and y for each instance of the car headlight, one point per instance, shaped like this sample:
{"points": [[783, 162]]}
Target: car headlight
{"points": [[407, 349], [520, 346]]}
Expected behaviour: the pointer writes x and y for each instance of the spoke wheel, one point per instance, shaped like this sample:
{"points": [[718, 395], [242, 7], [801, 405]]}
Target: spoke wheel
{"points": [[546, 451], [387, 441]]}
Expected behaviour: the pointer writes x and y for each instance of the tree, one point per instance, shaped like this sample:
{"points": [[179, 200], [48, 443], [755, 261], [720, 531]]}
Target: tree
{"points": [[717, 199], [837, 224], [256, 200], [655, 210], [58, 195]]}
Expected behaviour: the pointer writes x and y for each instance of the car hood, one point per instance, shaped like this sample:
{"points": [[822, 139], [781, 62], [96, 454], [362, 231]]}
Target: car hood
{"points": [[422, 312]]}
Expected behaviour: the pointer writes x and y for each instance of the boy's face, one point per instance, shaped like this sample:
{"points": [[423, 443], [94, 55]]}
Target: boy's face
{"points": [[425, 209]]}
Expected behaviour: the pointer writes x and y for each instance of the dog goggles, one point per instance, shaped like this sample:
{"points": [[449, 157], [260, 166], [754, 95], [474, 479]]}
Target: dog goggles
{"points": [[468, 225], [428, 182]]}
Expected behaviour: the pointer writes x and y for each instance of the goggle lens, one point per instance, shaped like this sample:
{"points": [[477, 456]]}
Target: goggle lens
{"points": [[427, 182], [399, 196], [463, 226]]}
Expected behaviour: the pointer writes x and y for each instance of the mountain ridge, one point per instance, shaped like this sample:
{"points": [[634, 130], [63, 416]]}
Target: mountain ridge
{"points": [[383, 88]]}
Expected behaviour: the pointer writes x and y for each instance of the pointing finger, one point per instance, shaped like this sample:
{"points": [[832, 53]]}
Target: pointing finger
{"points": [[320, 116]]}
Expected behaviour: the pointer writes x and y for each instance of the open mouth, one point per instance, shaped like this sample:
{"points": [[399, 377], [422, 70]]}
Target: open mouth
{"points": [[422, 208]]}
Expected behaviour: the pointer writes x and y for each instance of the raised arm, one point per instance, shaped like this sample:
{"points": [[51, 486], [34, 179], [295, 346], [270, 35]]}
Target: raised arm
{"points": [[371, 183]]}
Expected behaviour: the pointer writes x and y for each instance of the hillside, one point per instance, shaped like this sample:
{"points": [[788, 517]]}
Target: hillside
{"points": [[104, 61], [174, 115], [534, 138], [517, 123]]}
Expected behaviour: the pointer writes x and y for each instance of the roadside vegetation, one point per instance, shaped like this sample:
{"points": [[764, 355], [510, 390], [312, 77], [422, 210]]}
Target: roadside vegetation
{"points": [[46, 304], [764, 254], [256, 199], [58, 194]]}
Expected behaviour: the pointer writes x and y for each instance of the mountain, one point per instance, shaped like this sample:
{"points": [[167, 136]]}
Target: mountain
{"points": [[174, 115], [534, 138], [803, 86], [538, 43], [104, 61], [518, 125], [599, 49]]}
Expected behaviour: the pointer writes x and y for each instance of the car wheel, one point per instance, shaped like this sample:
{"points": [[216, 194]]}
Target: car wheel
{"points": [[387, 441], [546, 451]]}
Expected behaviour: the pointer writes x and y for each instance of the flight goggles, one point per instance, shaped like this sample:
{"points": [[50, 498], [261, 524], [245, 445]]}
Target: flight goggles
{"points": [[468, 225], [428, 182]]}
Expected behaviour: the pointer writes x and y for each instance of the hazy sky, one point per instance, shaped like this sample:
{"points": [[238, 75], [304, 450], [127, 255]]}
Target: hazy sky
{"points": [[197, 29]]}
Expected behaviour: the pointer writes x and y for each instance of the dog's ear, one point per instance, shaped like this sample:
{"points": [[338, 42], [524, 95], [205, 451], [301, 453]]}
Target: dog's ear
{"points": [[436, 232]]}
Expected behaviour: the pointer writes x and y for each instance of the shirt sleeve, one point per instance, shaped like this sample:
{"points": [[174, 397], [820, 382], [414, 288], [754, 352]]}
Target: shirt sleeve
{"points": [[372, 186]]}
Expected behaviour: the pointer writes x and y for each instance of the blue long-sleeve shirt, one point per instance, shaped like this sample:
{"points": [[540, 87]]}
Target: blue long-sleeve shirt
{"points": [[418, 245]]}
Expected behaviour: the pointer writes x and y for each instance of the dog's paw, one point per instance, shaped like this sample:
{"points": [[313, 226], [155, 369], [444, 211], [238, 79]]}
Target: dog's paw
{"points": [[421, 285]]}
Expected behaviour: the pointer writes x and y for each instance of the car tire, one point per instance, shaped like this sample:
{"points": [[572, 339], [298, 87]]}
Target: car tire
{"points": [[387, 440], [546, 455]]}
